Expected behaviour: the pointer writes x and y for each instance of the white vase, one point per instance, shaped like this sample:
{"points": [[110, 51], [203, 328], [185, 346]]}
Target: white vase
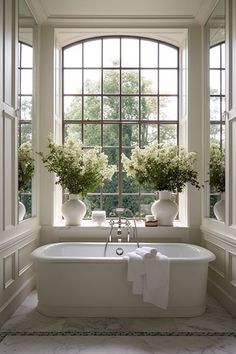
{"points": [[21, 211], [219, 208], [165, 209], [73, 210]]}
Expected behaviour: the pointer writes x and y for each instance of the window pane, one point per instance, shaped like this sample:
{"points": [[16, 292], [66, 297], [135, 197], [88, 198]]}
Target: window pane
{"points": [[111, 135], [215, 135], [92, 107], [111, 107], [92, 53], [92, 81], [111, 81], [168, 56], [168, 108], [129, 107], [223, 82], [26, 56], [113, 155], [149, 81], [215, 82], [26, 82], [111, 52], [145, 204], [215, 112], [129, 81], [92, 134], [149, 133], [72, 81], [132, 203], [73, 56], [149, 108], [26, 133], [148, 54], [215, 57], [168, 134], [130, 134], [129, 185], [223, 55], [92, 202], [72, 107], [26, 108], [130, 52], [111, 186], [168, 83], [73, 130], [110, 202], [223, 108]]}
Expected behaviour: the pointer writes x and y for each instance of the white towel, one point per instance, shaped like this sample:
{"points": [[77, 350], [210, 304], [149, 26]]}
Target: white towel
{"points": [[146, 252], [136, 271], [151, 250]]}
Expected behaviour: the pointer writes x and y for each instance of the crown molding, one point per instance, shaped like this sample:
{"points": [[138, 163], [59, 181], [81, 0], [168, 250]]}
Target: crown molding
{"points": [[205, 11], [37, 11]]}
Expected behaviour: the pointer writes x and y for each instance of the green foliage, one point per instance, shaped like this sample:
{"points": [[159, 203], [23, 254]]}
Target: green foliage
{"points": [[78, 170], [25, 167], [162, 167], [217, 168]]}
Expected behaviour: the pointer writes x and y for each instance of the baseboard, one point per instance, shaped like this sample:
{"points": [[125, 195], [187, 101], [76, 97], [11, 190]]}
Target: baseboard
{"points": [[10, 306], [224, 298]]}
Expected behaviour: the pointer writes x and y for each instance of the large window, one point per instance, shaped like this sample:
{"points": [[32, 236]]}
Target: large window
{"points": [[121, 92]]}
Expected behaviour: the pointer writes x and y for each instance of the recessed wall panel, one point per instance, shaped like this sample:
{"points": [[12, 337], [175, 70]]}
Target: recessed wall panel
{"points": [[219, 264], [232, 268], [8, 270], [24, 261]]}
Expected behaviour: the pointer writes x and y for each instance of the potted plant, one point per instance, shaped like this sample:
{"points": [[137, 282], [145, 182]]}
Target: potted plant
{"points": [[217, 178], [166, 169], [25, 173], [79, 171]]}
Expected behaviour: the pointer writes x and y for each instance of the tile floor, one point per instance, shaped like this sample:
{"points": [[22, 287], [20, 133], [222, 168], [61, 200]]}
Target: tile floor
{"points": [[28, 332]]}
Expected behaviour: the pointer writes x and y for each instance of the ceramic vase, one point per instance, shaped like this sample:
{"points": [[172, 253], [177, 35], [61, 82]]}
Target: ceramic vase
{"points": [[165, 209], [73, 210], [219, 208], [21, 211]]}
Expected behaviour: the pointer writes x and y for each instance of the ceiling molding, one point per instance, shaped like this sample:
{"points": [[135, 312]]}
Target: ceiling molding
{"points": [[37, 11], [205, 11]]}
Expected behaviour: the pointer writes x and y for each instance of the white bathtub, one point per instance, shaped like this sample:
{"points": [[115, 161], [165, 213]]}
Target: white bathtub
{"points": [[75, 279]]}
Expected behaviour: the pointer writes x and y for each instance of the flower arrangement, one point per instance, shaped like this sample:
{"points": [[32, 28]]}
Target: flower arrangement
{"points": [[217, 168], [25, 166], [162, 167], [78, 170]]}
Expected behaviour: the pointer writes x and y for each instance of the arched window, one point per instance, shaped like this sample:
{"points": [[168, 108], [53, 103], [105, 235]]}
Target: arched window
{"points": [[120, 92]]}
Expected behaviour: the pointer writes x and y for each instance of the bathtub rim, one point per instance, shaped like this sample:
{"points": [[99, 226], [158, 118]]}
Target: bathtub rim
{"points": [[38, 254]]}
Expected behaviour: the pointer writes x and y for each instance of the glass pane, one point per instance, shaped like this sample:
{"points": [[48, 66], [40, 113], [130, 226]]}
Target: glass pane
{"points": [[223, 135], [113, 155], [215, 135], [168, 83], [92, 81], [73, 130], [215, 82], [111, 107], [72, 107], [111, 135], [92, 107], [111, 81], [223, 82], [130, 52], [26, 108], [149, 134], [26, 199], [110, 202], [26, 56], [146, 202], [215, 111], [26, 133], [168, 134], [73, 56], [129, 185], [148, 54], [149, 81], [92, 202], [168, 56], [92, 53], [223, 55], [72, 81], [132, 203], [111, 186], [223, 108], [129, 107], [168, 108], [149, 108], [92, 134], [215, 57], [129, 81], [111, 52], [26, 81], [130, 134]]}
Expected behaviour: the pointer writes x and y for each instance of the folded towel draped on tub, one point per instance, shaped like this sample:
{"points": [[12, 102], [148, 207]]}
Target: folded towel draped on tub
{"points": [[149, 270]]}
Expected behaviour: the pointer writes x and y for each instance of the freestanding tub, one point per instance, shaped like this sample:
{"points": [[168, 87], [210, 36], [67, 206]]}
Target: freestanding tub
{"points": [[75, 279]]}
